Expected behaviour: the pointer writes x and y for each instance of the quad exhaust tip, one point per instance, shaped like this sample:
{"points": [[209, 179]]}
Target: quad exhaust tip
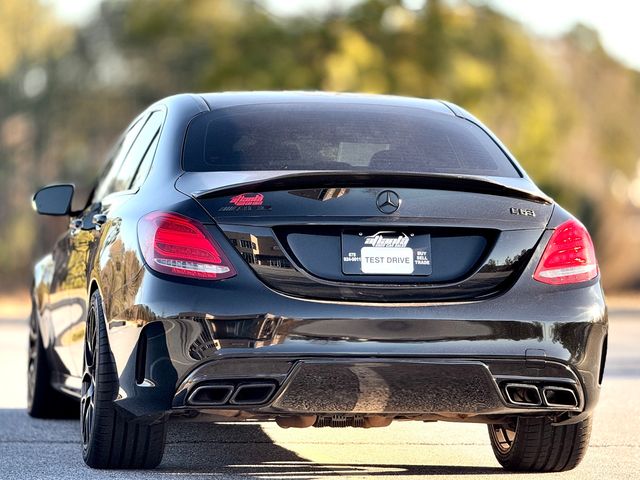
{"points": [[215, 395], [528, 395], [211, 395], [559, 397], [252, 393], [523, 394]]}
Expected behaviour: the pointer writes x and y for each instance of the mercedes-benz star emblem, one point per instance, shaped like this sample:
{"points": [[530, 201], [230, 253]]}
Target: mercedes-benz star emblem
{"points": [[388, 201]]}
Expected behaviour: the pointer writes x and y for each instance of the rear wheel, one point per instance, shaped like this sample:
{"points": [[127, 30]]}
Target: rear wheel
{"points": [[43, 401], [109, 438], [534, 444]]}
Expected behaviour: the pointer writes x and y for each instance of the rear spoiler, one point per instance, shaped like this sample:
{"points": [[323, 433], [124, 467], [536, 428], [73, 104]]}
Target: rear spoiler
{"points": [[216, 184]]}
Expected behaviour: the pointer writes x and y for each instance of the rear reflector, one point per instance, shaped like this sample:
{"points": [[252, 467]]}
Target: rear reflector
{"points": [[177, 245], [569, 256]]}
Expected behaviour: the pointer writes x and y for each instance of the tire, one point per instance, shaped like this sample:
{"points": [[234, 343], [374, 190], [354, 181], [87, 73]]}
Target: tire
{"points": [[535, 445], [110, 439], [43, 401]]}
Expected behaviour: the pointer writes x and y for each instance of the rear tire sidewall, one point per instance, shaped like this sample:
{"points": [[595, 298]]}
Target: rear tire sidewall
{"points": [[115, 439], [539, 445], [43, 400], [38, 375], [103, 400]]}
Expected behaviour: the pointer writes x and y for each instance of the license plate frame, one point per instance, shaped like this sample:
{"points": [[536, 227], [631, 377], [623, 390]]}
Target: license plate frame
{"points": [[386, 252]]}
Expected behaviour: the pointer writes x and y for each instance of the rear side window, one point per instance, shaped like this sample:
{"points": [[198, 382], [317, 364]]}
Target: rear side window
{"points": [[134, 158], [106, 184], [352, 137], [145, 166]]}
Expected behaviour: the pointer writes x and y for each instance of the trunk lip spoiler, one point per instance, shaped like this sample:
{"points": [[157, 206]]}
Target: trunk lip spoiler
{"points": [[200, 185]]}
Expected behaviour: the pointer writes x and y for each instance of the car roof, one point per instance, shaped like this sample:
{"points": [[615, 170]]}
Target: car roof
{"points": [[228, 99]]}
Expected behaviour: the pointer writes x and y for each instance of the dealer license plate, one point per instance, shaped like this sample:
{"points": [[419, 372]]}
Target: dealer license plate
{"points": [[386, 253]]}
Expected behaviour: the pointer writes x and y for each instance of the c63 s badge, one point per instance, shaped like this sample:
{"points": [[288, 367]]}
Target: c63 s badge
{"points": [[525, 212], [245, 202]]}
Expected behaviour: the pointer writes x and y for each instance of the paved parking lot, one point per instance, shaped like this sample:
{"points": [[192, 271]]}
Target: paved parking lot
{"points": [[34, 449]]}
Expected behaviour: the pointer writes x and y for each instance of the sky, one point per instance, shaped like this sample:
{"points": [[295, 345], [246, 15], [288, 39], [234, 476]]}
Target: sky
{"points": [[615, 20]]}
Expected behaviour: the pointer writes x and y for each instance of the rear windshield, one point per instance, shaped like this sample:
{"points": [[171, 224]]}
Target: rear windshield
{"points": [[349, 137]]}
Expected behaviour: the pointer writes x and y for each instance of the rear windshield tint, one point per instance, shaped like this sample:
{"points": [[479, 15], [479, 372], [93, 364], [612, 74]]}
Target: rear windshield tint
{"points": [[340, 137]]}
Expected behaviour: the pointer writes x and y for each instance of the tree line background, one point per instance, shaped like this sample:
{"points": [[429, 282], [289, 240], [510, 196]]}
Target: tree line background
{"points": [[566, 109]]}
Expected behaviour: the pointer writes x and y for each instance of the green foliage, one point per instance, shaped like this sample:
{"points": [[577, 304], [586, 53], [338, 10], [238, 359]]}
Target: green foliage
{"points": [[566, 110]]}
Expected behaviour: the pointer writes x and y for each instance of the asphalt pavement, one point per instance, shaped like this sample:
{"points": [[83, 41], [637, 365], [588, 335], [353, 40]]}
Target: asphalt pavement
{"points": [[39, 449]]}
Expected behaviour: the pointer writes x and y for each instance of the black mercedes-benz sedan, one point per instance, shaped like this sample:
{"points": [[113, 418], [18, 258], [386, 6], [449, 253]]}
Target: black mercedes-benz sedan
{"points": [[317, 260]]}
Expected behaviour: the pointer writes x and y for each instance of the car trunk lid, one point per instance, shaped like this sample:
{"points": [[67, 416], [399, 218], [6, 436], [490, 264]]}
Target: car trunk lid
{"points": [[309, 234]]}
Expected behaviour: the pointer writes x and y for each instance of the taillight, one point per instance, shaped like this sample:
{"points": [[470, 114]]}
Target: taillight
{"points": [[177, 245], [569, 256]]}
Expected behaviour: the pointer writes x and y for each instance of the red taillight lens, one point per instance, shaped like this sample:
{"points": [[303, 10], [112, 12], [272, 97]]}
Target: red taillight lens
{"points": [[569, 256], [178, 245]]}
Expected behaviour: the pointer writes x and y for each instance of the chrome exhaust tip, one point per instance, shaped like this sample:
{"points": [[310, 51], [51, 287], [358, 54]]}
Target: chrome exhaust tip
{"points": [[210, 395], [559, 397], [523, 394], [253, 393]]}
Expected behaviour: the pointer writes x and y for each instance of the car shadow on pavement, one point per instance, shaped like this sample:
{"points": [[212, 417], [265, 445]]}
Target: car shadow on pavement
{"points": [[196, 450], [246, 450]]}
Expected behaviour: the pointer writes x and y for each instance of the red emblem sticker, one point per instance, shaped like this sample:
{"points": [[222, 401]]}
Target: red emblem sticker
{"points": [[247, 199]]}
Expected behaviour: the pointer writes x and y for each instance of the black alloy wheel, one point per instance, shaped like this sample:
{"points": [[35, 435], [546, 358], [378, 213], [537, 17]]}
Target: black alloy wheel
{"points": [[43, 401], [503, 436], [88, 391]]}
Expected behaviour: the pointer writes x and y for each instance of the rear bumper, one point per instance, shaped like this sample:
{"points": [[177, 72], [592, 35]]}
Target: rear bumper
{"points": [[448, 361], [404, 387]]}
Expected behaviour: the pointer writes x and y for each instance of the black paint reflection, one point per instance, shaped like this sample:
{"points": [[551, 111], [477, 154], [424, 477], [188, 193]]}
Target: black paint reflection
{"points": [[271, 259]]}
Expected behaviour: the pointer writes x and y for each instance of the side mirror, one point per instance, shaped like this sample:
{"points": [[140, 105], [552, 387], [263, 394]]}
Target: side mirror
{"points": [[54, 200]]}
